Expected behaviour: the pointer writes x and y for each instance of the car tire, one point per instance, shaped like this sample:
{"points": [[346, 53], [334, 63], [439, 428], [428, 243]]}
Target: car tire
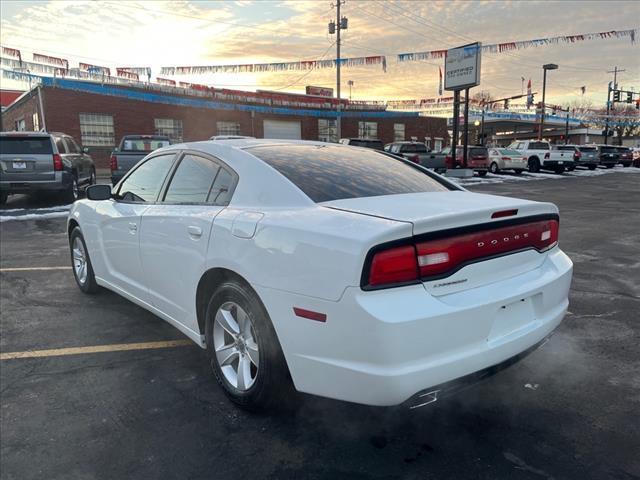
{"points": [[81, 263], [534, 165], [625, 165], [255, 382], [517, 172], [3, 198], [571, 169], [72, 193], [493, 168], [592, 167], [482, 173], [93, 179], [559, 170]]}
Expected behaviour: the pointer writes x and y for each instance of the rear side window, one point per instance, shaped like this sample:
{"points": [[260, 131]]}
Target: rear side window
{"points": [[222, 188], [60, 145], [145, 182], [326, 173], [477, 152], [192, 181], [26, 145]]}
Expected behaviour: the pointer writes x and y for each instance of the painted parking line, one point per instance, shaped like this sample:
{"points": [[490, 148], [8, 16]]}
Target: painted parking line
{"points": [[32, 269], [118, 347]]}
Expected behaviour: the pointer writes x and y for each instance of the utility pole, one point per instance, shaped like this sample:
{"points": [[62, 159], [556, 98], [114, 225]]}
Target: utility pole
{"points": [[340, 24], [465, 148], [615, 87]]}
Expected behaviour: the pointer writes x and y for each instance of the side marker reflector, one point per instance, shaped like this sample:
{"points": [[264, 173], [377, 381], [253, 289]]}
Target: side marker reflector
{"points": [[318, 317]]}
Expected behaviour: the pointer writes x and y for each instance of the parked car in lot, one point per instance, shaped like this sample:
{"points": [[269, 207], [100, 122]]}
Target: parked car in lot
{"points": [[341, 271], [477, 158], [506, 159], [608, 155], [418, 153], [540, 155], [626, 156], [131, 150], [636, 156], [583, 155], [363, 142], [36, 162]]}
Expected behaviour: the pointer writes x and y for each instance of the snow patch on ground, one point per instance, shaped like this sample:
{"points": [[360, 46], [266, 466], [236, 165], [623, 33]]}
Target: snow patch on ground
{"points": [[33, 216]]}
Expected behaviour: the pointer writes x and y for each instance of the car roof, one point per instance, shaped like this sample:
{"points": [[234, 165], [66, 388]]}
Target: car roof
{"points": [[16, 133]]}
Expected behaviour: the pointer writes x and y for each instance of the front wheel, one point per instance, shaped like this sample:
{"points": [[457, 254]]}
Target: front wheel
{"points": [[493, 168], [243, 349], [559, 170], [482, 173], [517, 172], [81, 263], [3, 198], [592, 167]]}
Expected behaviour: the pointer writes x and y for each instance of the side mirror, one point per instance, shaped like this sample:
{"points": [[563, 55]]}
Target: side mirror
{"points": [[85, 149], [99, 192]]}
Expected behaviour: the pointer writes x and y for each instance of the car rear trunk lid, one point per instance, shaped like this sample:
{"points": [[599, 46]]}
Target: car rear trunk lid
{"points": [[25, 158]]}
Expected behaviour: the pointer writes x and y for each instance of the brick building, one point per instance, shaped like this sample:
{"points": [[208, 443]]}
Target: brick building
{"points": [[98, 115]]}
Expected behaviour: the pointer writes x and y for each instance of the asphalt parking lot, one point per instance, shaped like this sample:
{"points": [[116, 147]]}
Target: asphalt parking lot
{"points": [[152, 410]]}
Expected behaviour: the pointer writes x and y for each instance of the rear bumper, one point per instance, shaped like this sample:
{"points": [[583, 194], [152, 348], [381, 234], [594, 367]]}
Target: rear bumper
{"points": [[382, 347], [61, 182], [557, 164]]}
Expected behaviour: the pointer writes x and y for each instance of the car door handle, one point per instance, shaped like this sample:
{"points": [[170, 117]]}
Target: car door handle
{"points": [[133, 227], [194, 231]]}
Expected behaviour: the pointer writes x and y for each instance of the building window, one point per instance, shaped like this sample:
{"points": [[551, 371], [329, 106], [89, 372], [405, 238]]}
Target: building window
{"points": [[96, 130], [398, 132], [427, 142], [169, 127], [228, 128], [20, 125], [36, 122], [368, 130], [437, 144], [327, 130]]}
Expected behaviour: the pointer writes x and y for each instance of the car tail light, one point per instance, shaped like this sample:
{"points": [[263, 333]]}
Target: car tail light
{"points": [[113, 163], [506, 158], [414, 158], [441, 257], [546, 156], [394, 265], [576, 156], [57, 162]]}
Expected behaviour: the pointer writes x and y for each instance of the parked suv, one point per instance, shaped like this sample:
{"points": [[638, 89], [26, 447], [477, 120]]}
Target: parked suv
{"points": [[418, 153], [477, 158], [583, 155], [608, 155], [43, 162], [626, 156], [363, 142]]}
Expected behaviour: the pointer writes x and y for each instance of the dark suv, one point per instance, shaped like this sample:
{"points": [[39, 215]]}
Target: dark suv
{"points": [[608, 155], [33, 162], [626, 156]]}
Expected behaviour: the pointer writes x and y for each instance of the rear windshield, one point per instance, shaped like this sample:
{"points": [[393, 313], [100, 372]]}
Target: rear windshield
{"points": [[538, 146], [414, 148], [588, 149], [326, 173], [143, 144], [565, 147], [477, 152], [608, 149], [367, 143], [26, 145]]}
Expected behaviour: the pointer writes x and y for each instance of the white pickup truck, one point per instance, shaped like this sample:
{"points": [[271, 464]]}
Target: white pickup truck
{"points": [[540, 156]]}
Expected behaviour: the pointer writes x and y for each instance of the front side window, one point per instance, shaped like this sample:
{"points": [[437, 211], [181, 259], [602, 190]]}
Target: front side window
{"points": [[192, 181], [328, 172], [228, 128], [398, 132], [145, 182], [169, 127], [368, 130], [327, 130], [72, 146], [96, 130]]}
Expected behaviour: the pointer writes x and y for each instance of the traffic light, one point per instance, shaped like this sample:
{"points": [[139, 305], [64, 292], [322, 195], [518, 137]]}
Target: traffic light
{"points": [[616, 95], [629, 97]]}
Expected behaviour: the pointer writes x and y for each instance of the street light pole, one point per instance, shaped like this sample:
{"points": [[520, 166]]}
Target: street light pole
{"points": [[545, 67]]}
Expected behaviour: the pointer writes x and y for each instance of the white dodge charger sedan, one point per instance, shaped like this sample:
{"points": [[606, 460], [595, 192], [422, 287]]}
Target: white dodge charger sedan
{"points": [[336, 270]]}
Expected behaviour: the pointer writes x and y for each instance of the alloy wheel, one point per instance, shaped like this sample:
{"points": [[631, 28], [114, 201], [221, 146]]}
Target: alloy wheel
{"points": [[79, 260], [235, 345]]}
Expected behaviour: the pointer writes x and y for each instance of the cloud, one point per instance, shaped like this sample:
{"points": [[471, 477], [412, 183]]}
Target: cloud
{"points": [[187, 32]]}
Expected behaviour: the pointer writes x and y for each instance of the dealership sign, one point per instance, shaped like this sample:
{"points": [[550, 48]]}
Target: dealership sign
{"points": [[462, 67], [319, 91]]}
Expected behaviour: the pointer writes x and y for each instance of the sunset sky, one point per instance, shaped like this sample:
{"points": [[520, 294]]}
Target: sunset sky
{"points": [[163, 33]]}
